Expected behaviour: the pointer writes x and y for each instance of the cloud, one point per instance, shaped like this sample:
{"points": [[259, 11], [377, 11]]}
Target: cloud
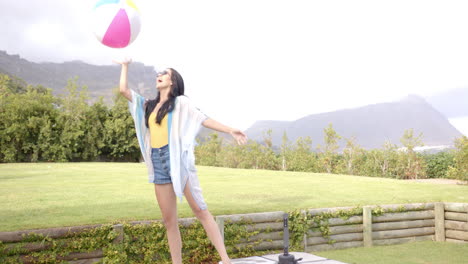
{"points": [[43, 30], [249, 60]]}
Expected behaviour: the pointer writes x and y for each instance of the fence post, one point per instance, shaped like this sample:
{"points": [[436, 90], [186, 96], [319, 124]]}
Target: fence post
{"points": [[367, 225], [220, 223], [119, 229], [439, 214], [466, 210], [304, 212]]}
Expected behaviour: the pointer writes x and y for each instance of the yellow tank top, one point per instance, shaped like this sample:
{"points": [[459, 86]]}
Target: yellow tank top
{"points": [[159, 132]]}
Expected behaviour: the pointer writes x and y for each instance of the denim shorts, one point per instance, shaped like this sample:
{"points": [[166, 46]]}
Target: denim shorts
{"points": [[161, 165]]}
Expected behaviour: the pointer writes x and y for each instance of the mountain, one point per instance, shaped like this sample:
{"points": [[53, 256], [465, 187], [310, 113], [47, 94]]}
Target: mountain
{"points": [[100, 80], [451, 103], [371, 125]]}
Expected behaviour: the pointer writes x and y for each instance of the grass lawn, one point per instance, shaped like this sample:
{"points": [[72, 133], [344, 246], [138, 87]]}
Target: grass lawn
{"points": [[427, 252], [39, 195]]}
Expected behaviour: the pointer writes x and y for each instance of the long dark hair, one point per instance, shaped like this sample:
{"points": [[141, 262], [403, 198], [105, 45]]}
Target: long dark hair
{"points": [[177, 88]]}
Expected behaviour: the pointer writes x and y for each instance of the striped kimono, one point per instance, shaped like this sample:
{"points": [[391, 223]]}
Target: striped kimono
{"points": [[186, 122]]}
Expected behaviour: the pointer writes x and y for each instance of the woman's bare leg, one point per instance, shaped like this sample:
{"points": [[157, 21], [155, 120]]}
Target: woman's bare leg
{"points": [[210, 226], [168, 205]]}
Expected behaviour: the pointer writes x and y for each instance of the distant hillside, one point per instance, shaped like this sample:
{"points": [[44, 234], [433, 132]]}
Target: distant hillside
{"points": [[452, 103], [371, 125], [101, 80]]}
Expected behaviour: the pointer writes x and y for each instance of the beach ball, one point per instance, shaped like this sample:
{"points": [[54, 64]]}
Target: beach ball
{"points": [[116, 22]]}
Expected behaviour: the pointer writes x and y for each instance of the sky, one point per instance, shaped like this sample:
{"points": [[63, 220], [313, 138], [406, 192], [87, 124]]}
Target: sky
{"points": [[248, 60]]}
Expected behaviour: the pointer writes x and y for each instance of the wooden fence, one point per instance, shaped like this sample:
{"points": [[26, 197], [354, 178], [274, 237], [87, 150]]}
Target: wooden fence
{"points": [[455, 223], [398, 224], [406, 223]]}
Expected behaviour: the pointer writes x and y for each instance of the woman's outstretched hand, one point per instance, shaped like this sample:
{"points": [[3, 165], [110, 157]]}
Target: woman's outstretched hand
{"points": [[124, 61], [239, 136]]}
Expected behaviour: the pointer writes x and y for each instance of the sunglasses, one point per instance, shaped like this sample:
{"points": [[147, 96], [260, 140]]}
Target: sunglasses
{"points": [[164, 72]]}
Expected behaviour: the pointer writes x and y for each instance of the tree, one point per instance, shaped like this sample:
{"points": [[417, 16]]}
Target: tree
{"points": [[351, 153], [389, 163], [94, 130], [12, 85], [329, 156], [120, 139], [268, 159], [254, 155], [208, 153], [26, 123], [228, 155], [412, 164], [302, 158], [382, 162], [460, 169], [438, 164], [285, 151]]}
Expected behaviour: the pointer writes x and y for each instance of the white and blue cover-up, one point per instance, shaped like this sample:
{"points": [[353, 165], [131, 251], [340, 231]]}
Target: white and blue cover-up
{"points": [[186, 122]]}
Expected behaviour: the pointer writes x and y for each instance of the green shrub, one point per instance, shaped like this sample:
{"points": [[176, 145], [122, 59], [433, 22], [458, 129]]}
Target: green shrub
{"points": [[438, 164], [460, 168], [143, 243]]}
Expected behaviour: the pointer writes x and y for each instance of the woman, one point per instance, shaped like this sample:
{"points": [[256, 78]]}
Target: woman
{"points": [[166, 130]]}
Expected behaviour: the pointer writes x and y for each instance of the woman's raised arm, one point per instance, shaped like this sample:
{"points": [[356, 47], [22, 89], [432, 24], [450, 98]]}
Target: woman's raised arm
{"points": [[238, 135], [123, 85]]}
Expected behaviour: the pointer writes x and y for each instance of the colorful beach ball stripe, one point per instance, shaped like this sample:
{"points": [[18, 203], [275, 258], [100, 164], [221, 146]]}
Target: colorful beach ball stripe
{"points": [[116, 22]]}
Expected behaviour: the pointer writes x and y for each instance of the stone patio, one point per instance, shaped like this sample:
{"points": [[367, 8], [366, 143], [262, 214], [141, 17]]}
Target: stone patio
{"points": [[273, 259]]}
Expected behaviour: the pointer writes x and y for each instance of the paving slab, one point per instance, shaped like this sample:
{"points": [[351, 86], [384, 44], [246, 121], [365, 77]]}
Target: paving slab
{"points": [[306, 257], [273, 259], [251, 260], [328, 261]]}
